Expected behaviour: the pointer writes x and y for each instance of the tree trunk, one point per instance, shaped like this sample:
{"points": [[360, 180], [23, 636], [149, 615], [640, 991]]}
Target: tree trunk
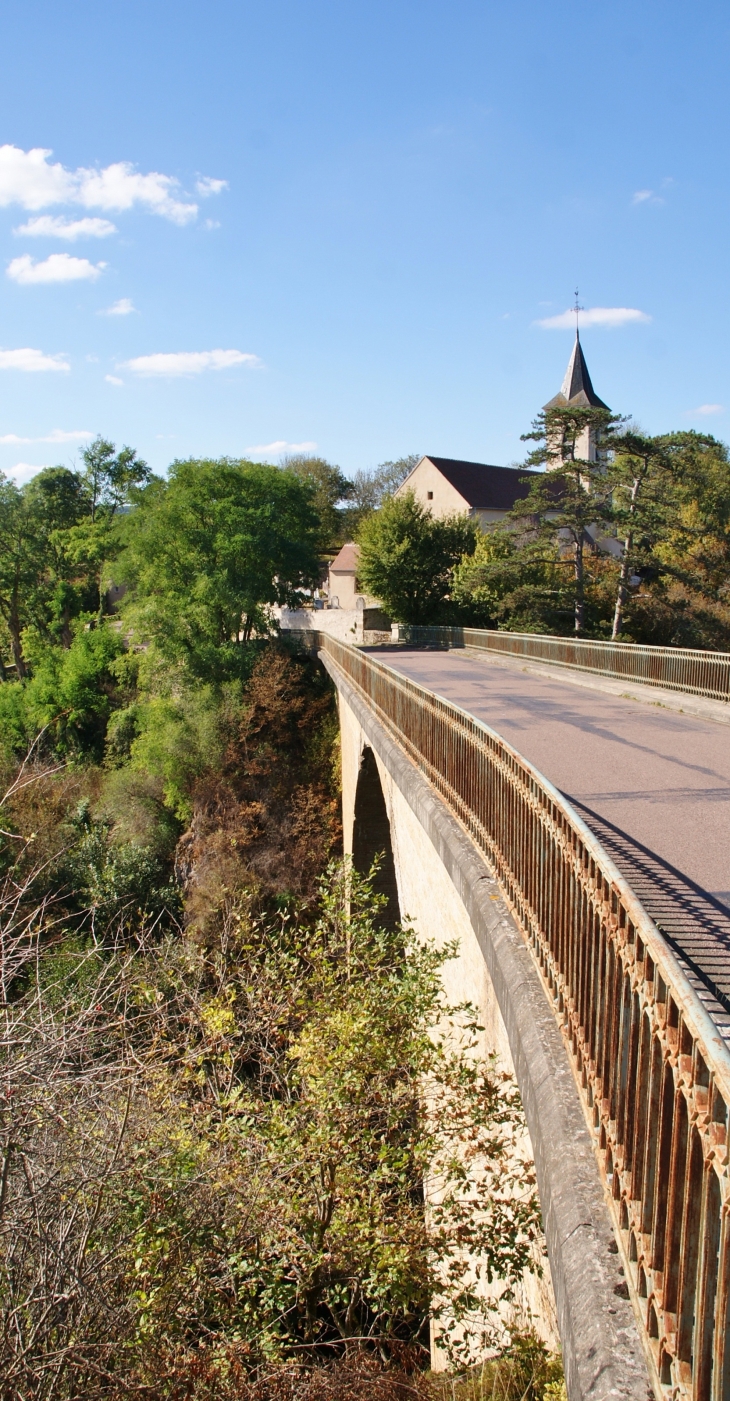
{"points": [[579, 586], [623, 587], [14, 629], [623, 578]]}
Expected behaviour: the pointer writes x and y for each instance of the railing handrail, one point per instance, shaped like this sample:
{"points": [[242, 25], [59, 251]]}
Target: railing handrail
{"points": [[651, 1066], [688, 669]]}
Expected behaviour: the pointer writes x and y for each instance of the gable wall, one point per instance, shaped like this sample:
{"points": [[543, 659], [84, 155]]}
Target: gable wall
{"points": [[446, 499]]}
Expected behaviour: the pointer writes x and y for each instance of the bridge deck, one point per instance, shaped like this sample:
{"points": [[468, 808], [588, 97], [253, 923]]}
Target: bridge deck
{"points": [[652, 784]]}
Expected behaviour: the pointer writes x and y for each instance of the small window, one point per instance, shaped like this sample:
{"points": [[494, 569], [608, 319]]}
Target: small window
{"points": [[429, 494]]}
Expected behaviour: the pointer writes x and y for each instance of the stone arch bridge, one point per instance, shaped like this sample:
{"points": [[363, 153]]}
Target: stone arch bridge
{"points": [[617, 1033]]}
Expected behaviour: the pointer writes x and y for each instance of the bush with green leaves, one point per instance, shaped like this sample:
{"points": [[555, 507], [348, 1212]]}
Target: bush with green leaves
{"points": [[408, 558], [230, 1145], [70, 693]]}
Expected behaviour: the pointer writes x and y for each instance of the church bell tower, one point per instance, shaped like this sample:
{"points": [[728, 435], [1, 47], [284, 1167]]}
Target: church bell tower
{"points": [[577, 390]]}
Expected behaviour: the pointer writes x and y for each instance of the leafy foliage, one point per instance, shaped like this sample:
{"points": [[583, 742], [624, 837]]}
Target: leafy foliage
{"points": [[407, 557], [206, 554], [237, 1160], [571, 500], [330, 489], [371, 489]]}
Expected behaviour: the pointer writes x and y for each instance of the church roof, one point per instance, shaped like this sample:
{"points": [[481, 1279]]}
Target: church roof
{"points": [[483, 486], [576, 387], [346, 561]]}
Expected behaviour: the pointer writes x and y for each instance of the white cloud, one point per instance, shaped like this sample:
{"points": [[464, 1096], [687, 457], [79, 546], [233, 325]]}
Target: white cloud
{"points": [[59, 267], [113, 379], [121, 308], [23, 471], [59, 435], [189, 362], [28, 178], [212, 223], [205, 186], [31, 360], [55, 226], [120, 187], [647, 197], [705, 410], [279, 447], [594, 316]]}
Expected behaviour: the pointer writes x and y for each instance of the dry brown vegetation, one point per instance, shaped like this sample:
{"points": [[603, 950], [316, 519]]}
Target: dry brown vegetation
{"points": [[269, 816]]}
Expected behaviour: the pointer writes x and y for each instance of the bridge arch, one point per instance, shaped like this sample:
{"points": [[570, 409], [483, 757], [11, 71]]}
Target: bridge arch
{"points": [[447, 891], [371, 835]]}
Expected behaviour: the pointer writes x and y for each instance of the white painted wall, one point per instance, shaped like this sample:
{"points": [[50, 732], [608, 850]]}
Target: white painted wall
{"points": [[444, 500], [338, 622]]}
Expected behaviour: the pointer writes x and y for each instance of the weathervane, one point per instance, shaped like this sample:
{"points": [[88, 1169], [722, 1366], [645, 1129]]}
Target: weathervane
{"points": [[577, 309]]}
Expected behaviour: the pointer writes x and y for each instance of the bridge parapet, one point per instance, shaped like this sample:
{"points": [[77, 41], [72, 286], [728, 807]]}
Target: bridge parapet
{"points": [[685, 669], [651, 1068]]}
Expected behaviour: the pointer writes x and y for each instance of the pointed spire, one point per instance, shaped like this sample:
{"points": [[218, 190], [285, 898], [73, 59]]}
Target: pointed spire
{"points": [[576, 387]]}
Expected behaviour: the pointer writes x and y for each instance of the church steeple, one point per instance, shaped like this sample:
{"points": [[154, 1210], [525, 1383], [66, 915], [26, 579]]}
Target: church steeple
{"points": [[576, 387]]}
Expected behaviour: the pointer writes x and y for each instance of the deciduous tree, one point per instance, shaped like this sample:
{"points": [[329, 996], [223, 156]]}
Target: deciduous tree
{"points": [[210, 550], [408, 556]]}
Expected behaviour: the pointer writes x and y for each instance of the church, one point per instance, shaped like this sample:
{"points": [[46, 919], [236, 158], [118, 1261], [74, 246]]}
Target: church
{"points": [[446, 485]]}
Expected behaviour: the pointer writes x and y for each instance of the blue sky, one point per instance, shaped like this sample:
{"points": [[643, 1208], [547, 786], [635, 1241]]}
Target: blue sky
{"points": [[411, 188]]}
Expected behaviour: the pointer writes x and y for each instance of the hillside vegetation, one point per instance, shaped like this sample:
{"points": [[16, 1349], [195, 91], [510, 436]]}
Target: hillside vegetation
{"points": [[219, 1076]]}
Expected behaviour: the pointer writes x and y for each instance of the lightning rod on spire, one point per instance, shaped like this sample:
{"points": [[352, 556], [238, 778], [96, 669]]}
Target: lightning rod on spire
{"points": [[577, 309]]}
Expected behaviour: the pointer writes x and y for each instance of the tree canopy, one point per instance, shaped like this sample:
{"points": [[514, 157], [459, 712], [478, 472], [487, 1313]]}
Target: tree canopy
{"points": [[208, 551], [407, 557], [330, 488]]}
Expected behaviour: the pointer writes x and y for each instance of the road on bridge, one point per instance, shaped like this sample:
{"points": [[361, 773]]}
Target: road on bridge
{"points": [[651, 783]]}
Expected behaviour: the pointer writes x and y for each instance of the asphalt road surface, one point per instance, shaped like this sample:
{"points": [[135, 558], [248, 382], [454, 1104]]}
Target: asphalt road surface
{"points": [[652, 784]]}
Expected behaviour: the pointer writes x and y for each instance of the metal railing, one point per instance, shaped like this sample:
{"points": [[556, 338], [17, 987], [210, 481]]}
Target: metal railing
{"points": [[651, 1067], [675, 668]]}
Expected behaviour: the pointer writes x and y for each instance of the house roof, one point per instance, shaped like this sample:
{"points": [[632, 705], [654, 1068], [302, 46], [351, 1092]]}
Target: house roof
{"points": [[576, 387], [483, 486], [346, 561]]}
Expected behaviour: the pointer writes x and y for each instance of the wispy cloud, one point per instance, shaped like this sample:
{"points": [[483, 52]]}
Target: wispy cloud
{"points": [[594, 316], [59, 267], [641, 196], [23, 471], [55, 226], [113, 379], [31, 180], [123, 307], [206, 186], [59, 435], [706, 410], [189, 362], [277, 448], [31, 361]]}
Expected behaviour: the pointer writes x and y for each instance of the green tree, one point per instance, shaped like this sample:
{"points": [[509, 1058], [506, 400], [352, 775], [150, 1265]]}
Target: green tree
{"points": [[56, 502], [371, 488], [570, 500], [329, 488], [109, 480], [643, 502], [208, 553], [512, 583], [408, 557], [18, 567], [696, 545]]}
